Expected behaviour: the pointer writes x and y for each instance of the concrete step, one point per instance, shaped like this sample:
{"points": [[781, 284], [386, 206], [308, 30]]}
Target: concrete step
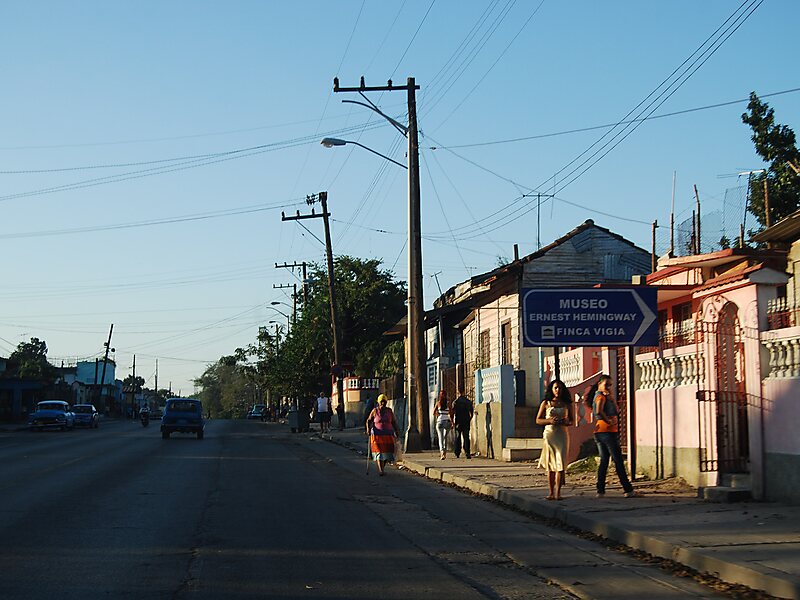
{"points": [[517, 449], [524, 443], [724, 494], [735, 480], [518, 454]]}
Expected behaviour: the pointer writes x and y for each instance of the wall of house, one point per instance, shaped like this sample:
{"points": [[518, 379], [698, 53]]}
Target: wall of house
{"points": [[793, 268], [591, 256], [493, 422], [491, 318], [667, 439], [85, 372], [782, 415]]}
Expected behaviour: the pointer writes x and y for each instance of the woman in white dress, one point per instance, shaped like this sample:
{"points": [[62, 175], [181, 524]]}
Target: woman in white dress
{"points": [[555, 413]]}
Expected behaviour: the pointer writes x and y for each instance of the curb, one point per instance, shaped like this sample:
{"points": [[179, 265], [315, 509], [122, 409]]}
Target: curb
{"points": [[781, 584]]}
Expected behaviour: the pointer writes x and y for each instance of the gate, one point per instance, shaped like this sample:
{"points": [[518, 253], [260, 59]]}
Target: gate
{"points": [[722, 407], [622, 398]]}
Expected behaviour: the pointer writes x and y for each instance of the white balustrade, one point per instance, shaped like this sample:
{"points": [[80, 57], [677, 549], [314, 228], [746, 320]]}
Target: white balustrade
{"points": [[784, 352], [670, 369], [570, 366]]}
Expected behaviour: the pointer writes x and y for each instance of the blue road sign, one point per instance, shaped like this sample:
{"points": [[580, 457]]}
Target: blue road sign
{"points": [[590, 317]]}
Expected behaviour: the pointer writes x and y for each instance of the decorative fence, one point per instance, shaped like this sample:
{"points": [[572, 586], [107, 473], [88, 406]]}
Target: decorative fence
{"points": [[672, 369], [784, 352], [780, 313]]}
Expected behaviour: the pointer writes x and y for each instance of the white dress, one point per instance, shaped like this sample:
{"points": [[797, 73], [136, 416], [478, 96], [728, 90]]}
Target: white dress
{"points": [[555, 440]]}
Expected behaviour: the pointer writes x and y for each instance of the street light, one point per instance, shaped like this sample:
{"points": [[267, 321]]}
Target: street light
{"points": [[417, 437], [280, 312], [331, 142]]}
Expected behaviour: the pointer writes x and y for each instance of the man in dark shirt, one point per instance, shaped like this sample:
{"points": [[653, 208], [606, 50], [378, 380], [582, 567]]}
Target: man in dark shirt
{"points": [[462, 415]]}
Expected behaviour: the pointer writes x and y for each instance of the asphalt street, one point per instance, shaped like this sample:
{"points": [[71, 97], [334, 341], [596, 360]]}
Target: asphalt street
{"points": [[255, 511]]}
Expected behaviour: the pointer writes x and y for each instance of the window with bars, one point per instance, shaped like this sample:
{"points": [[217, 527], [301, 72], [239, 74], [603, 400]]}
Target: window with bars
{"points": [[505, 343], [485, 349]]}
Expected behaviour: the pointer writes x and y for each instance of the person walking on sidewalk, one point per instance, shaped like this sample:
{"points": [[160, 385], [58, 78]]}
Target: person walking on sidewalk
{"points": [[462, 417], [340, 415], [555, 414], [382, 429], [443, 423], [324, 412], [606, 435]]}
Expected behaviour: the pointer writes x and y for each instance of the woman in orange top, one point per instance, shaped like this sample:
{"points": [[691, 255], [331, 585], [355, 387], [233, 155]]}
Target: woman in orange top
{"points": [[606, 435]]}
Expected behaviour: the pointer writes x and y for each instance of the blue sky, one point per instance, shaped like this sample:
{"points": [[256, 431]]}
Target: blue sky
{"points": [[144, 111]]}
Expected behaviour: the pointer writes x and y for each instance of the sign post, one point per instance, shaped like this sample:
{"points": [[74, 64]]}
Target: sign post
{"points": [[590, 317]]}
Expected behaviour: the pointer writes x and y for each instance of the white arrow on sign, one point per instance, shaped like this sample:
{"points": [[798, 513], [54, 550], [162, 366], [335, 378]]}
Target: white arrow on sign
{"points": [[648, 316]]}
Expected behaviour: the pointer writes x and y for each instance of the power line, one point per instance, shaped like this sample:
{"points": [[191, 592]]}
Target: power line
{"points": [[502, 215], [608, 125], [167, 220]]}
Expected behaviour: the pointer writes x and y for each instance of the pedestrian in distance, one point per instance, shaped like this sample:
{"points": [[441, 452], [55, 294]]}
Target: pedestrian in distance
{"points": [[606, 434], [462, 412], [443, 422], [324, 412], [382, 428], [340, 414], [555, 413]]}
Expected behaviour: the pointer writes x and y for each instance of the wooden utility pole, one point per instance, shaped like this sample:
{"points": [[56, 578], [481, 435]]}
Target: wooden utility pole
{"points": [[291, 286], [653, 253], [133, 397], [418, 436], [767, 218], [322, 197], [672, 218], [697, 199], [105, 361], [305, 276]]}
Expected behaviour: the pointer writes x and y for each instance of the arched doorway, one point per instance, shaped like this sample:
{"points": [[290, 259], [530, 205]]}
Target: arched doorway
{"points": [[733, 448]]}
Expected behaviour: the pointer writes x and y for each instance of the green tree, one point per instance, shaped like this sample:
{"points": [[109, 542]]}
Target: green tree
{"points": [[29, 361], [133, 383], [298, 363], [776, 145]]}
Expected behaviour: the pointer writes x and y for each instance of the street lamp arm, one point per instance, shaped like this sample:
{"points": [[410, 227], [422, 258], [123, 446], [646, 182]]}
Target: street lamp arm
{"points": [[331, 142], [396, 124], [399, 164]]}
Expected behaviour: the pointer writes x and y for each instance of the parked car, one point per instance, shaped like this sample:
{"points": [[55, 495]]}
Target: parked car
{"points": [[184, 415], [52, 414], [86, 415], [259, 411]]}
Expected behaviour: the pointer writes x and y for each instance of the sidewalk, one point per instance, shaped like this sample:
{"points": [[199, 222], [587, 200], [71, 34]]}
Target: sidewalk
{"points": [[753, 544]]}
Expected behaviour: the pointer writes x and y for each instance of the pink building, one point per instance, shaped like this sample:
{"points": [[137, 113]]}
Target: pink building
{"points": [[718, 402]]}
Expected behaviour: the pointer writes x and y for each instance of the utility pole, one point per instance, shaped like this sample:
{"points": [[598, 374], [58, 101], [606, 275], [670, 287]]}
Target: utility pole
{"points": [[767, 218], [305, 276], [291, 286], [105, 362], [133, 397], [418, 436], [672, 218], [323, 199], [538, 214], [653, 253], [697, 199]]}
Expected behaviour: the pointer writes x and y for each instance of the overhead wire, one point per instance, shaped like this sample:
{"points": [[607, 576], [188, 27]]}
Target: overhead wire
{"points": [[475, 86], [151, 222], [519, 204], [444, 213], [451, 80], [609, 125]]}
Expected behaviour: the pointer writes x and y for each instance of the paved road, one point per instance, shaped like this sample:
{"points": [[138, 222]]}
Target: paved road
{"points": [[254, 511]]}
